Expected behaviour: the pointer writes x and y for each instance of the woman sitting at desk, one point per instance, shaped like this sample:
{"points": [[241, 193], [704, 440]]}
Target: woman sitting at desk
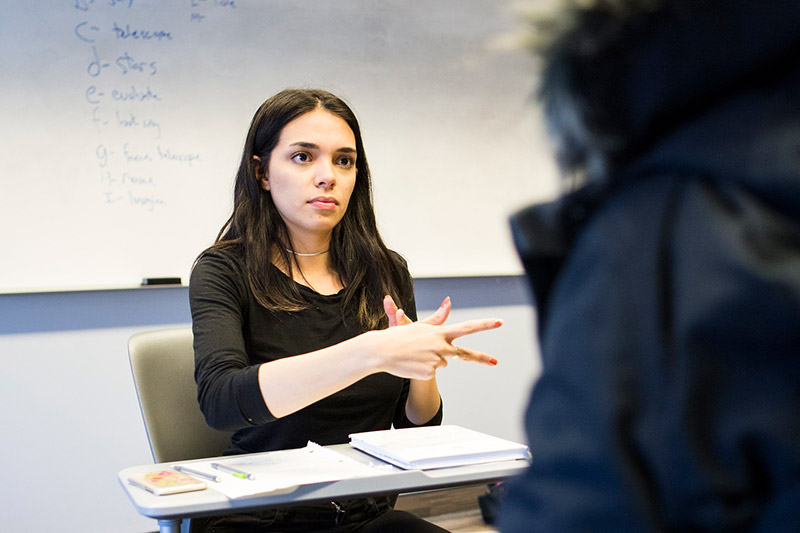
{"points": [[291, 304]]}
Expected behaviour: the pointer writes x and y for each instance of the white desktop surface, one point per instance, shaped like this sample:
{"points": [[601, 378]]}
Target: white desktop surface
{"points": [[388, 479]]}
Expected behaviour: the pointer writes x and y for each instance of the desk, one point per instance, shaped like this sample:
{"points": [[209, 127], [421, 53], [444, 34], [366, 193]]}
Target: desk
{"points": [[171, 510]]}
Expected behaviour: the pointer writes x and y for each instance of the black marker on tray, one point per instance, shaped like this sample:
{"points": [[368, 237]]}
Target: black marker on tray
{"points": [[149, 282]]}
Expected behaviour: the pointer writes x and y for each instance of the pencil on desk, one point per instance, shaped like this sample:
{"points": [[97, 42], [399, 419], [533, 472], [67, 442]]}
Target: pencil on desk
{"points": [[232, 471], [184, 470]]}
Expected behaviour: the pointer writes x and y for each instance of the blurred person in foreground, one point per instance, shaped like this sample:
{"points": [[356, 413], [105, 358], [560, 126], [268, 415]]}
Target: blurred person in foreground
{"points": [[667, 280]]}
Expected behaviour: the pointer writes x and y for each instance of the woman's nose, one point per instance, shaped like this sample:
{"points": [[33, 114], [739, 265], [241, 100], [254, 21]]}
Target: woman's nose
{"points": [[324, 175]]}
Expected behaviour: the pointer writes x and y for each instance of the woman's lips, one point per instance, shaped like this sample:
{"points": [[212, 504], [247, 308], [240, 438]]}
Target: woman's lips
{"points": [[324, 202]]}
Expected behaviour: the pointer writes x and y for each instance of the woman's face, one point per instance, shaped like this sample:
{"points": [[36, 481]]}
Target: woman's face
{"points": [[311, 174]]}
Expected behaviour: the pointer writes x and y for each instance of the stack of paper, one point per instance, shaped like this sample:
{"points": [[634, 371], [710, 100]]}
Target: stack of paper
{"points": [[437, 447]]}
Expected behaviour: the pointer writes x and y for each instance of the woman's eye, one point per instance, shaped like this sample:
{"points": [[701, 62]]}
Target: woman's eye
{"points": [[346, 162], [301, 157]]}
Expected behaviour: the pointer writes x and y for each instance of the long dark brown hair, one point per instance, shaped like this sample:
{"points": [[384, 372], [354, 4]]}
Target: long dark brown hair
{"points": [[367, 269]]}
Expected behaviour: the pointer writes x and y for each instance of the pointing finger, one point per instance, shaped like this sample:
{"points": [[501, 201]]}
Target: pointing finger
{"points": [[469, 327]]}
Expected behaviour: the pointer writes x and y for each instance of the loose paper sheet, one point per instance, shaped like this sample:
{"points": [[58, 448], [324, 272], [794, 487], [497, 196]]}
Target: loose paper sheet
{"points": [[282, 469]]}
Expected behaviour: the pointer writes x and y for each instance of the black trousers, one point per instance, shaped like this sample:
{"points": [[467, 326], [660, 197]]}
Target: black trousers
{"points": [[365, 515]]}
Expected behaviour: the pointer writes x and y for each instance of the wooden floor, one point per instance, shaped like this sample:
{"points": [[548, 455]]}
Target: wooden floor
{"points": [[455, 510]]}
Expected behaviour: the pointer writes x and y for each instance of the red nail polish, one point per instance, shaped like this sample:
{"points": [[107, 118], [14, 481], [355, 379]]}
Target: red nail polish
{"points": [[493, 361]]}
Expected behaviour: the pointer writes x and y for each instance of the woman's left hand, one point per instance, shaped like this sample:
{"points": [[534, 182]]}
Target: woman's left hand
{"points": [[397, 317]]}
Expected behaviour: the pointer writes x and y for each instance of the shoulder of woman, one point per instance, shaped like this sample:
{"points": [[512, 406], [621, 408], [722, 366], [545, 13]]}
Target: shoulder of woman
{"points": [[406, 282], [227, 251], [219, 259], [399, 259]]}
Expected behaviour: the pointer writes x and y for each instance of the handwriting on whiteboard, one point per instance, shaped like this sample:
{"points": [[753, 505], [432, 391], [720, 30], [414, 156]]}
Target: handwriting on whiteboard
{"points": [[137, 150]]}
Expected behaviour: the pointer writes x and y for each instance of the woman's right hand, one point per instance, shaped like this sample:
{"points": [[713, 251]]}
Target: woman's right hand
{"points": [[416, 349]]}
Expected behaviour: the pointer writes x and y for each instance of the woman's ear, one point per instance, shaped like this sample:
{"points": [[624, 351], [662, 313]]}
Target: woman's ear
{"points": [[261, 173]]}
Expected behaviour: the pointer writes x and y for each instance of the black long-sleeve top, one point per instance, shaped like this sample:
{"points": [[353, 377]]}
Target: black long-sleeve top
{"points": [[234, 334]]}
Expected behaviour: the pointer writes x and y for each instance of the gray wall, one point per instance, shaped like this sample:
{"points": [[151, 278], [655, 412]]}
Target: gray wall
{"points": [[71, 420]]}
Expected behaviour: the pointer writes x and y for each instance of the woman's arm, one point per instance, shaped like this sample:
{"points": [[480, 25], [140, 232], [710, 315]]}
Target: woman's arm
{"points": [[414, 351], [227, 384]]}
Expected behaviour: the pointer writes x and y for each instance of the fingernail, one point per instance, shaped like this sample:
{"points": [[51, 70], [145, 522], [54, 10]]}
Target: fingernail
{"points": [[493, 361], [498, 322], [445, 301]]}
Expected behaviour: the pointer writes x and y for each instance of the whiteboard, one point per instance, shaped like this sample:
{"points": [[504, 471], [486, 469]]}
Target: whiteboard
{"points": [[123, 123]]}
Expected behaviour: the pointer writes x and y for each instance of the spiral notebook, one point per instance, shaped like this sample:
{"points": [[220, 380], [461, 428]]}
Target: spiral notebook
{"points": [[437, 447]]}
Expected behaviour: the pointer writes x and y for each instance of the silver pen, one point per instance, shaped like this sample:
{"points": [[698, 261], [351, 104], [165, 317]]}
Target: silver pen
{"points": [[232, 471], [184, 470]]}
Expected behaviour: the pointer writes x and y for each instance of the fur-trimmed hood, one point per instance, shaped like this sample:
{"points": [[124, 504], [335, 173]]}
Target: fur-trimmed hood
{"points": [[623, 77]]}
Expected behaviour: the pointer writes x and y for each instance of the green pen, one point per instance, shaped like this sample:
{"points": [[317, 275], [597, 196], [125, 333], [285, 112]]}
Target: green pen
{"points": [[232, 471]]}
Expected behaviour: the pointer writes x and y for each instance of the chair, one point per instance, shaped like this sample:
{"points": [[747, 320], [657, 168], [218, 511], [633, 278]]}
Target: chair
{"points": [[162, 363]]}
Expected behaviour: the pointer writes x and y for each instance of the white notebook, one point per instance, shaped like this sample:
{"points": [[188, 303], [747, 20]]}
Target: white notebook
{"points": [[437, 447]]}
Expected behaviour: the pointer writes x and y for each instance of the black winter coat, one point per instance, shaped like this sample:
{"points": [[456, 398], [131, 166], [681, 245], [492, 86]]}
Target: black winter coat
{"points": [[668, 302]]}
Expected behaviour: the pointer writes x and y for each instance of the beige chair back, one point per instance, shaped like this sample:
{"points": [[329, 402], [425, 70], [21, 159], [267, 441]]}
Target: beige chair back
{"points": [[162, 363]]}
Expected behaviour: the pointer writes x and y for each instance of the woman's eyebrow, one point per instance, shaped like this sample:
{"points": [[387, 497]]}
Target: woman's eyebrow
{"points": [[312, 146], [303, 144]]}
